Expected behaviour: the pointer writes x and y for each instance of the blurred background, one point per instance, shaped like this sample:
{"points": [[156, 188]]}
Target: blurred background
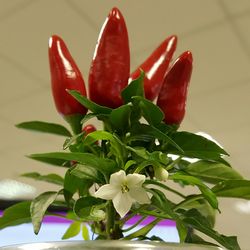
{"points": [[217, 33]]}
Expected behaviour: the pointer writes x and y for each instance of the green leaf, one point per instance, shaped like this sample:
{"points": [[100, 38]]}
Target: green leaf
{"points": [[151, 238], [140, 151], [155, 158], [223, 161], [135, 88], [195, 239], [101, 116], [160, 157], [161, 202], [142, 138], [16, 215], [166, 128], [88, 117], [39, 207], [206, 191], [73, 230], [198, 222], [164, 187], [85, 208], [201, 205], [120, 117], [150, 111], [129, 163], [147, 130], [143, 231], [50, 160], [196, 146], [73, 184], [212, 172], [60, 204], [45, 127], [85, 232], [116, 146], [75, 122], [87, 173], [143, 165], [103, 164], [233, 188], [95, 108], [51, 178], [69, 141]]}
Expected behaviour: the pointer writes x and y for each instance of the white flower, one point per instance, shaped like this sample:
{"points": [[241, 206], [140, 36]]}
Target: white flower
{"points": [[161, 174], [123, 191]]}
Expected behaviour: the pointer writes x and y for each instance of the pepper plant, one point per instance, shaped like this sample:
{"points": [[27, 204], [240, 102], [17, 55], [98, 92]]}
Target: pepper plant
{"points": [[130, 166]]}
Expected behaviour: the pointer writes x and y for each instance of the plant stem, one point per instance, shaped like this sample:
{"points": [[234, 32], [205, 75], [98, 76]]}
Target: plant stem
{"points": [[136, 224], [187, 200], [106, 125], [143, 231], [164, 187], [110, 220], [171, 165], [132, 214], [91, 148], [155, 214]]}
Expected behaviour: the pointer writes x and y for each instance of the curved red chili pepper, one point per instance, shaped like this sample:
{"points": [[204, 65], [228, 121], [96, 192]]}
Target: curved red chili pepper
{"points": [[155, 67], [65, 75], [110, 66], [173, 93]]}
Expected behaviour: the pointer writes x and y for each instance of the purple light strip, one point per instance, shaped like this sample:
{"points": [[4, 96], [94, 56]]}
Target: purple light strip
{"points": [[149, 219], [55, 219], [133, 220], [166, 223]]}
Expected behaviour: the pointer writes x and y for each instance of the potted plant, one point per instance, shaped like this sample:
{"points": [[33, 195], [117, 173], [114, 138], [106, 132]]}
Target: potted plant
{"points": [[126, 168]]}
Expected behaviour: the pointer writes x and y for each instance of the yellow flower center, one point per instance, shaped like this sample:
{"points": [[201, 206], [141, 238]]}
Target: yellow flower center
{"points": [[124, 188]]}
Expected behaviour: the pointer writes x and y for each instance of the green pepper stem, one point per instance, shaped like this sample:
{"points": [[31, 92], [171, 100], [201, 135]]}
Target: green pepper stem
{"points": [[74, 122]]}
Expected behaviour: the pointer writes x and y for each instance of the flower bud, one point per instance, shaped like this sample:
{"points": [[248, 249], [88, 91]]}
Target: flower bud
{"points": [[161, 174]]}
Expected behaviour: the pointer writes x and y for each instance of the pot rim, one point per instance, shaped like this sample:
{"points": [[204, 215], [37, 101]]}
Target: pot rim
{"points": [[106, 243]]}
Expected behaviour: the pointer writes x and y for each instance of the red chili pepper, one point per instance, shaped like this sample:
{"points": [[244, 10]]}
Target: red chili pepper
{"points": [[110, 66], [88, 129], [173, 93], [155, 67], [65, 75]]}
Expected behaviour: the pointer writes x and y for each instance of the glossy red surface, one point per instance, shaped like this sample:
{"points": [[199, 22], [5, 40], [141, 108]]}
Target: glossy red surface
{"points": [[156, 66], [110, 66], [64, 75], [173, 93], [89, 129]]}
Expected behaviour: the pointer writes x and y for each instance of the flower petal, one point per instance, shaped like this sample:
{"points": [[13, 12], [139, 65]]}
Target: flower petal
{"points": [[107, 192], [122, 203], [140, 195], [135, 180], [118, 178]]}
